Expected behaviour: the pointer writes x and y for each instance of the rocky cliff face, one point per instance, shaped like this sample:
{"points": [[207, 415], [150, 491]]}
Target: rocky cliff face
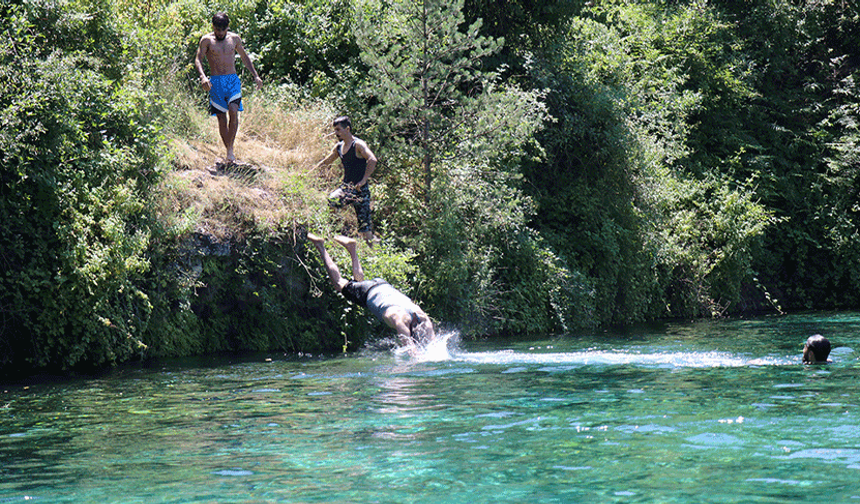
{"points": [[258, 294], [243, 277]]}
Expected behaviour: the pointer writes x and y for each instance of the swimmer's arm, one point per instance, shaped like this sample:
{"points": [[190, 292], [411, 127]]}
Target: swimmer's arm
{"points": [[404, 334], [397, 319]]}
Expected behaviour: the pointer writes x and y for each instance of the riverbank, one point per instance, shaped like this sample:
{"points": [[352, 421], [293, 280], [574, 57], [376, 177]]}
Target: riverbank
{"points": [[232, 238]]}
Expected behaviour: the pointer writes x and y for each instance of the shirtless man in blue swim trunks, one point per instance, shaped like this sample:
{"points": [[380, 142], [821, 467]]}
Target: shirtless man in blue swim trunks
{"points": [[225, 91], [389, 305]]}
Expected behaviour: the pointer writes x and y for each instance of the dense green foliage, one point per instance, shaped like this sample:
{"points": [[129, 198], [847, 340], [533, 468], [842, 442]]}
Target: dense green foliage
{"points": [[545, 166], [659, 234], [797, 139], [433, 102], [423, 77], [88, 277], [304, 42], [75, 160]]}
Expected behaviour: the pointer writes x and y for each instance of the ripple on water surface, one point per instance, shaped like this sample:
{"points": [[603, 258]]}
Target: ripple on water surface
{"points": [[645, 417]]}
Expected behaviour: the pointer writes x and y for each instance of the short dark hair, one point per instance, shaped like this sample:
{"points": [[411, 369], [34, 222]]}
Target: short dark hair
{"points": [[819, 346], [221, 20], [342, 121]]}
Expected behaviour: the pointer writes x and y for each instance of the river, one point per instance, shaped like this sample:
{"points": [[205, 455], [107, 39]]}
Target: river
{"points": [[715, 411]]}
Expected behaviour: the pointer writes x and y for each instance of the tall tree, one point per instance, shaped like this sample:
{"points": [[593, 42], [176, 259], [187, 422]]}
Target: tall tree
{"points": [[439, 108], [426, 76]]}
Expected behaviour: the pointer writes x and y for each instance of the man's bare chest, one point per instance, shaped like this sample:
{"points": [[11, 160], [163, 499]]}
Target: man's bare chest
{"points": [[222, 49]]}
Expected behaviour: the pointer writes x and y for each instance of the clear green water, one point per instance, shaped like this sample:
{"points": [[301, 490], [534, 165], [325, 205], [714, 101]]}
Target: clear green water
{"points": [[705, 412]]}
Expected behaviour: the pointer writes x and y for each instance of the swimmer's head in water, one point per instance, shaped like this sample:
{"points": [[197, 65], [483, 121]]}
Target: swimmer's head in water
{"points": [[816, 349]]}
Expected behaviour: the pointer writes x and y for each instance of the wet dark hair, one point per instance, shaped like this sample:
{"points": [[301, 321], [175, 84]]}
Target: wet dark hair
{"points": [[221, 20], [343, 122], [819, 346]]}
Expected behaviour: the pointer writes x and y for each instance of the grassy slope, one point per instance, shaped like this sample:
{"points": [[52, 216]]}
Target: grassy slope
{"points": [[274, 187]]}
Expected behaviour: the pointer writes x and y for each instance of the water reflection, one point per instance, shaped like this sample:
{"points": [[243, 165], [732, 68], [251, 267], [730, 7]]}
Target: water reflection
{"points": [[402, 395]]}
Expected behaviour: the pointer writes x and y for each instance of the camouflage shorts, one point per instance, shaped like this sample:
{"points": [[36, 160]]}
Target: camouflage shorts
{"points": [[347, 194]]}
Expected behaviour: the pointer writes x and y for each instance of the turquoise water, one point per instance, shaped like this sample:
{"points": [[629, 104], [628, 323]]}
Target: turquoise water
{"points": [[704, 412]]}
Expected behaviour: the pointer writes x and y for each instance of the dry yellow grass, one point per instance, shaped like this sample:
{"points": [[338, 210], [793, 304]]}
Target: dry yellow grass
{"points": [[273, 188]]}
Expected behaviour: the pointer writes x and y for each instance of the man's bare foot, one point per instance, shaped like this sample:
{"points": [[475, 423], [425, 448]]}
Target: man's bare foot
{"points": [[349, 243], [317, 240], [370, 238]]}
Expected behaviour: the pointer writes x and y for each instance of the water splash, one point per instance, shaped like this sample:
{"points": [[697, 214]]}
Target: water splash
{"points": [[445, 347], [619, 357], [437, 349]]}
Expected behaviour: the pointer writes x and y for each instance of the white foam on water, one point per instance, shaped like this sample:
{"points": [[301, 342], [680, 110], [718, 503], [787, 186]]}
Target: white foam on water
{"points": [[617, 357], [444, 347], [434, 350]]}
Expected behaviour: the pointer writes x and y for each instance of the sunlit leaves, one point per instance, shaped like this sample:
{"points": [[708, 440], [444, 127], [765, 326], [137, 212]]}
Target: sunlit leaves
{"points": [[435, 100], [74, 146]]}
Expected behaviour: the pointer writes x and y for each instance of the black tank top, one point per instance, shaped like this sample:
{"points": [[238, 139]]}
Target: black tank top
{"points": [[354, 165]]}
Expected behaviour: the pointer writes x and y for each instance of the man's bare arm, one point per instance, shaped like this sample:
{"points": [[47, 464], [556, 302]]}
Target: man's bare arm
{"points": [[328, 159], [364, 151], [198, 62], [240, 48]]}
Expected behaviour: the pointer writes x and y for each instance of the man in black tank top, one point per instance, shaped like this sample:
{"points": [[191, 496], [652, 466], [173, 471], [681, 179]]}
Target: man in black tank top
{"points": [[358, 164]]}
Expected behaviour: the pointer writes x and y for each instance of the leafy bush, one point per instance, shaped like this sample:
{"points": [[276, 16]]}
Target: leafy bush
{"points": [[78, 153], [479, 266], [637, 214], [306, 43]]}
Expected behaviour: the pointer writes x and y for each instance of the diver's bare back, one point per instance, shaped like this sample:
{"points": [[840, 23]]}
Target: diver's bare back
{"points": [[221, 55]]}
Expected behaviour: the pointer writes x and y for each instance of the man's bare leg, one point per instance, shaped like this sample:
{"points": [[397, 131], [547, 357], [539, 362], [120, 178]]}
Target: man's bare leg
{"points": [[228, 127], [333, 272], [223, 127], [351, 247], [232, 129]]}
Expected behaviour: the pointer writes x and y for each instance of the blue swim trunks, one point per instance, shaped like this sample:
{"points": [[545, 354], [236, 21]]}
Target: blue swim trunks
{"points": [[226, 89]]}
